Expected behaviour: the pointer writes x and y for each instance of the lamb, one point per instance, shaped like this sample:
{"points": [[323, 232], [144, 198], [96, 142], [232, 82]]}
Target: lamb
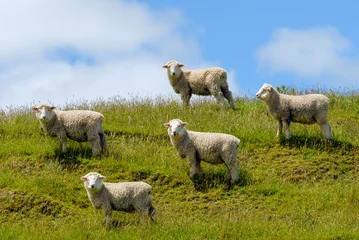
{"points": [[214, 148], [77, 125], [208, 81], [123, 196], [306, 109]]}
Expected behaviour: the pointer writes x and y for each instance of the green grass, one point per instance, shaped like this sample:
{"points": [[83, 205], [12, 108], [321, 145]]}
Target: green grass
{"points": [[301, 188]]}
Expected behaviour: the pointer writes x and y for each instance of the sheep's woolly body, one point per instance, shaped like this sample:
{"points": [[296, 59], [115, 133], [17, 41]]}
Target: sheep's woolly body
{"points": [[77, 125], [124, 196], [73, 123], [214, 148], [208, 81], [200, 80], [210, 147], [305, 109]]}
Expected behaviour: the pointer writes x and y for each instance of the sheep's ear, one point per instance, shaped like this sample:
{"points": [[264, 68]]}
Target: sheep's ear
{"points": [[53, 107], [83, 178], [184, 124], [165, 66], [35, 108], [167, 125], [180, 65], [102, 177]]}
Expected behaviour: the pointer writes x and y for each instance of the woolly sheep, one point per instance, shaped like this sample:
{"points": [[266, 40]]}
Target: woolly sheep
{"points": [[208, 81], [124, 196], [78, 125], [306, 109], [214, 148]]}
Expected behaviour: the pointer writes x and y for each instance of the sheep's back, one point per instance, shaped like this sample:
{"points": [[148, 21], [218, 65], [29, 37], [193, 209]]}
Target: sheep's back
{"points": [[200, 80], [124, 194], [78, 122], [305, 108], [211, 146]]}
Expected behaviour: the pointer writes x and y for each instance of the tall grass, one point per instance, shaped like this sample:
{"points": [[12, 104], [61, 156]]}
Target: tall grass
{"points": [[301, 188]]}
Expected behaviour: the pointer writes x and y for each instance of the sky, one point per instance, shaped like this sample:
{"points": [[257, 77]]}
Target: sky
{"points": [[67, 51]]}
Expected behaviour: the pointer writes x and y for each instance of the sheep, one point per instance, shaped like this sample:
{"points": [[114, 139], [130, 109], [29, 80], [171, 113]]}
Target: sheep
{"points": [[123, 196], [208, 81], [214, 148], [305, 109], [78, 125]]}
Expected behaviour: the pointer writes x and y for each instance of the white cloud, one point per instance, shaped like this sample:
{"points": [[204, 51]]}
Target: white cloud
{"points": [[60, 51], [320, 53]]}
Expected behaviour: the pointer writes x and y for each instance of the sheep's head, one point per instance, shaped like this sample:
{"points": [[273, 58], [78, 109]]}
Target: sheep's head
{"points": [[93, 181], [176, 127], [44, 112], [173, 68], [265, 92]]}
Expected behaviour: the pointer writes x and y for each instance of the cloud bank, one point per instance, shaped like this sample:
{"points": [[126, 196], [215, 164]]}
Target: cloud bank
{"points": [[319, 55], [61, 51]]}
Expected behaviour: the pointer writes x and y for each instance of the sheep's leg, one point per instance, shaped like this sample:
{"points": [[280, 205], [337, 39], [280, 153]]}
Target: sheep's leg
{"points": [[195, 166], [219, 97], [233, 172], [141, 213], [186, 96], [228, 95], [96, 145], [193, 170], [230, 159], [63, 146], [280, 128], [326, 131], [108, 219], [63, 141], [286, 129]]}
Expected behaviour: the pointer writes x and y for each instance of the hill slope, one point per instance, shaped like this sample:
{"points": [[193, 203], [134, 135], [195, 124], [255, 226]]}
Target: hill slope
{"points": [[296, 189]]}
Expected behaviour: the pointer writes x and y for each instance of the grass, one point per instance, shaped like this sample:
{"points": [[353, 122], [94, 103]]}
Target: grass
{"points": [[300, 188]]}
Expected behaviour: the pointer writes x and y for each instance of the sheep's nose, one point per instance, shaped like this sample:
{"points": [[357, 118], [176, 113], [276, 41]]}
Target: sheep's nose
{"points": [[173, 73], [257, 95], [92, 186], [174, 133], [43, 117]]}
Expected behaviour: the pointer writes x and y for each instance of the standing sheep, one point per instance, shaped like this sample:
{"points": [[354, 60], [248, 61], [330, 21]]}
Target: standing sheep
{"points": [[214, 148], [306, 109], [125, 196], [78, 125], [208, 81]]}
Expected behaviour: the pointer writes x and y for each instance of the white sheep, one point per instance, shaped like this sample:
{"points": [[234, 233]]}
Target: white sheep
{"points": [[207, 81], [123, 196], [214, 148], [78, 125], [306, 109]]}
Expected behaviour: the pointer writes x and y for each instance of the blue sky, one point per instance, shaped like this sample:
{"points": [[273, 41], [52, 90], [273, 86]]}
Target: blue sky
{"points": [[63, 51]]}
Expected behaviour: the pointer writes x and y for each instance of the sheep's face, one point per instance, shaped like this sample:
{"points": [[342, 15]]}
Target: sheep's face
{"points": [[176, 127], [173, 68], [265, 92], [44, 112], [93, 181]]}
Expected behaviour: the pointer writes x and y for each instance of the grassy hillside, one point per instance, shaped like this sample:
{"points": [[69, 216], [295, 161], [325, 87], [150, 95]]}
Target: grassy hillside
{"points": [[290, 189]]}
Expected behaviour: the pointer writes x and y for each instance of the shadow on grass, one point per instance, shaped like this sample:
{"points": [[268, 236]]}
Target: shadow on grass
{"points": [[316, 143], [69, 159], [210, 180]]}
